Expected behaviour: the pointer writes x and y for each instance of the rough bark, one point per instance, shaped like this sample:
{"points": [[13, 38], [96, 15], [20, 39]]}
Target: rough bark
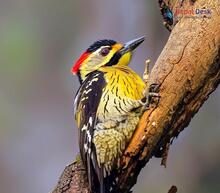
{"points": [[187, 72]]}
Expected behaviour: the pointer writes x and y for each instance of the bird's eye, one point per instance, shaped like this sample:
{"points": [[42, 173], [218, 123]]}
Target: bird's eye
{"points": [[104, 51]]}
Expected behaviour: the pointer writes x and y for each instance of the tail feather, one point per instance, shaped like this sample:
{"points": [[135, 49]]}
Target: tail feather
{"points": [[95, 175], [101, 181]]}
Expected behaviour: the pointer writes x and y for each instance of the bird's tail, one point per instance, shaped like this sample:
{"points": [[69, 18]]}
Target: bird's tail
{"points": [[101, 181]]}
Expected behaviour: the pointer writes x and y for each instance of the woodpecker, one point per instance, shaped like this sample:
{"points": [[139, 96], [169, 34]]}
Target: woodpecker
{"points": [[107, 107]]}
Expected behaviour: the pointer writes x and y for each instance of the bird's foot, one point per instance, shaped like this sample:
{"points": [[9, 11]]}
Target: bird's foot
{"points": [[152, 96], [153, 93]]}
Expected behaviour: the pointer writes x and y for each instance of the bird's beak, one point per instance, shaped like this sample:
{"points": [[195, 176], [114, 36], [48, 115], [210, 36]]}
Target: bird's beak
{"points": [[131, 45]]}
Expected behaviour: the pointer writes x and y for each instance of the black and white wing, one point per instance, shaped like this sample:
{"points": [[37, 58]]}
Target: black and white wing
{"points": [[85, 107]]}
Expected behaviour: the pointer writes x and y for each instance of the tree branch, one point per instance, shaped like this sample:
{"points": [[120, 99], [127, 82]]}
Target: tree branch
{"points": [[187, 71]]}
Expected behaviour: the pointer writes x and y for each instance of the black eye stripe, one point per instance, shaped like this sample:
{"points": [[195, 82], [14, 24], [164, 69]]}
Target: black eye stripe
{"points": [[114, 60]]}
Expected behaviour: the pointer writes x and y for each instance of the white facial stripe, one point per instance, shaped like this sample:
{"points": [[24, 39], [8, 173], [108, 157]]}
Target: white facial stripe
{"points": [[95, 61]]}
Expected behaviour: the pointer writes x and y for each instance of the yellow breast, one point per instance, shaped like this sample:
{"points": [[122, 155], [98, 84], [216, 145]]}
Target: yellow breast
{"points": [[124, 82], [123, 92]]}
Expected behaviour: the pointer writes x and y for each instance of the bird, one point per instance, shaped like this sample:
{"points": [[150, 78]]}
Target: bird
{"points": [[107, 107]]}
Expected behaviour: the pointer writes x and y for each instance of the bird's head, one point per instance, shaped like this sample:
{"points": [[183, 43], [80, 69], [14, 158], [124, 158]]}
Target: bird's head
{"points": [[104, 53]]}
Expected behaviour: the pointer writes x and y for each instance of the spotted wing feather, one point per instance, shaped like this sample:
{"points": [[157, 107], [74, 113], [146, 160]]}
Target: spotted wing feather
{"points": [[85, 107]]}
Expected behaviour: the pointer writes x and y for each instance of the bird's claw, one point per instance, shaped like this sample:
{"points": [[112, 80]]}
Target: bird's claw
{"points": [[152, 95], [154, 88]]}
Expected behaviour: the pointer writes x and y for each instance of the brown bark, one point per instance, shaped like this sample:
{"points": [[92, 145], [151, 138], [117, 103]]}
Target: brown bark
{"points": [[187, 71]]}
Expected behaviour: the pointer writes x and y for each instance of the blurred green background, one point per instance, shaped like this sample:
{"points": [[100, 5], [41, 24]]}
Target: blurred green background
{"points": [[39, 41]]}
